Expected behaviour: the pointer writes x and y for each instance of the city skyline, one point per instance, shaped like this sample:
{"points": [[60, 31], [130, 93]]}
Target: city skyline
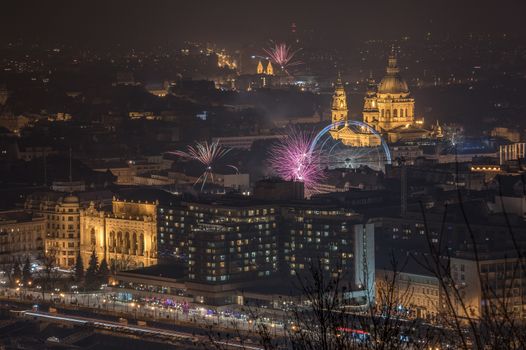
{"points": [[263, 176]]}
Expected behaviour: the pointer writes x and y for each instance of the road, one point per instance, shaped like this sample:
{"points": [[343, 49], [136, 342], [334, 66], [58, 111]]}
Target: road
{"points": [[135, 330], [104, 305], [106, 302]]}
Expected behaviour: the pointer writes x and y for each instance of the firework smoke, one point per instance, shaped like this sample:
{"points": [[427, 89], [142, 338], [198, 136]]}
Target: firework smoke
{"points": [[291, 159], [282, 55], [206, 154]]}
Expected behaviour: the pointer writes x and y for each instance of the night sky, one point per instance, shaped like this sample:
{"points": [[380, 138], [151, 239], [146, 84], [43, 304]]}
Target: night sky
{"points": [[334, 23]]}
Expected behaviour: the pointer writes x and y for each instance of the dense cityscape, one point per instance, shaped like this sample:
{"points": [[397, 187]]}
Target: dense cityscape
{"points": [[264, 176]]}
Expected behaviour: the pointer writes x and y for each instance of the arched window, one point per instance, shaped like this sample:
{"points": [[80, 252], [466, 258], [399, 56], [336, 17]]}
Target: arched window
{"points": [[153, 248], [406, 113], [93, 237], [388, 113], [134, 243], [127, 243], [382, 113], [141, 244], [395, 113], [119, 242], [112, 242], [401, 113]]}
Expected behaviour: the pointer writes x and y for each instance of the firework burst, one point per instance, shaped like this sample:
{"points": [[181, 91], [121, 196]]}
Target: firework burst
{"points": [[282, 55], [291, 159], [206, 154]]}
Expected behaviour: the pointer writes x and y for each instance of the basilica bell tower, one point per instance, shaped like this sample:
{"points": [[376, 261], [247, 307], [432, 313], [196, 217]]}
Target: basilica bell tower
{"points": [[339, 109]]}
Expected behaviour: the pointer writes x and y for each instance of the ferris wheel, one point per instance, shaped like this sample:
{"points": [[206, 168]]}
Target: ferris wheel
{"points": [[333, 153]]}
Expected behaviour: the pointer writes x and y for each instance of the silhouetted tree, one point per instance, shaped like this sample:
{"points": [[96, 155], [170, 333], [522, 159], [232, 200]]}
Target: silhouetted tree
{"points": [[103, 272], [26, 272], [50, 274], [17, 273], [79, 269], [92, 271]]}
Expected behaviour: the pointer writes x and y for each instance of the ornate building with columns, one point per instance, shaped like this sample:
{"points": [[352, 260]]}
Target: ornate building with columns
{"points": [[351, 136], [392, 105], [388, 108], [126, 237]]}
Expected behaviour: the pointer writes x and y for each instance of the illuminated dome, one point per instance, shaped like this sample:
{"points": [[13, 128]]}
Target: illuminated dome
{"points": [[393, 83], [71, 199]]}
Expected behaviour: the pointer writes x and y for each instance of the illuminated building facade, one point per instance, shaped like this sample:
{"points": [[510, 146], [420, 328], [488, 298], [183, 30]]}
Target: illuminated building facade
{"points": [[63, 241], [337, 239], [264, 77], [388, 108], [126, 236], [22, 235], [231, 243], [514, 151], [62, 213], [340, 114], [418, 292], [392, 106], [225, 244], [490, 285], [267, 71], [62, 226]]}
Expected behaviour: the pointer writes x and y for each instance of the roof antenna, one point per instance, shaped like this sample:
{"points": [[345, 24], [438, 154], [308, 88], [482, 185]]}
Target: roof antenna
{"points": [[70, 168], [45, 168]]}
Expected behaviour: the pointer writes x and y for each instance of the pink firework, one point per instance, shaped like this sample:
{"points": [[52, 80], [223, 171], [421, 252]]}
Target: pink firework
{"points": [[291, 159], [206, 154], [282, 55]]}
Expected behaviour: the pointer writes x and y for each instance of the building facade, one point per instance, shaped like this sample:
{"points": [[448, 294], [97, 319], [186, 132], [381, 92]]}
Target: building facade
{"points": [[62, 227], [334, 239], [230, 244], [22, 235], [62, 213], [418, 294], [348, 135], [388, 108], [126, 235], [490, 285], [393, 105]]}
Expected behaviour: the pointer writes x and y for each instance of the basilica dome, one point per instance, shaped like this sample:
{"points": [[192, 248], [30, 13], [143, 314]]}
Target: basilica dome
{"points": [[71, 199], [392, 83]]}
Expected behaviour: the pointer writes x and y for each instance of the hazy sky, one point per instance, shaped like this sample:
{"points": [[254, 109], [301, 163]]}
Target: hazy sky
{"points": [[235, 21]]}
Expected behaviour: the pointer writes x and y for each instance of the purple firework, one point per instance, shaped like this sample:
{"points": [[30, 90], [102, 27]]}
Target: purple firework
{"points": [[291, 159], [282, 55]]}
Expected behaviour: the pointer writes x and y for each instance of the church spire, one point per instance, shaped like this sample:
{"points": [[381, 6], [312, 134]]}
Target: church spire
{"points": [[338, 85], [339, 102], [371, 85], [260, 68], [270, 69], [392, 66]]}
